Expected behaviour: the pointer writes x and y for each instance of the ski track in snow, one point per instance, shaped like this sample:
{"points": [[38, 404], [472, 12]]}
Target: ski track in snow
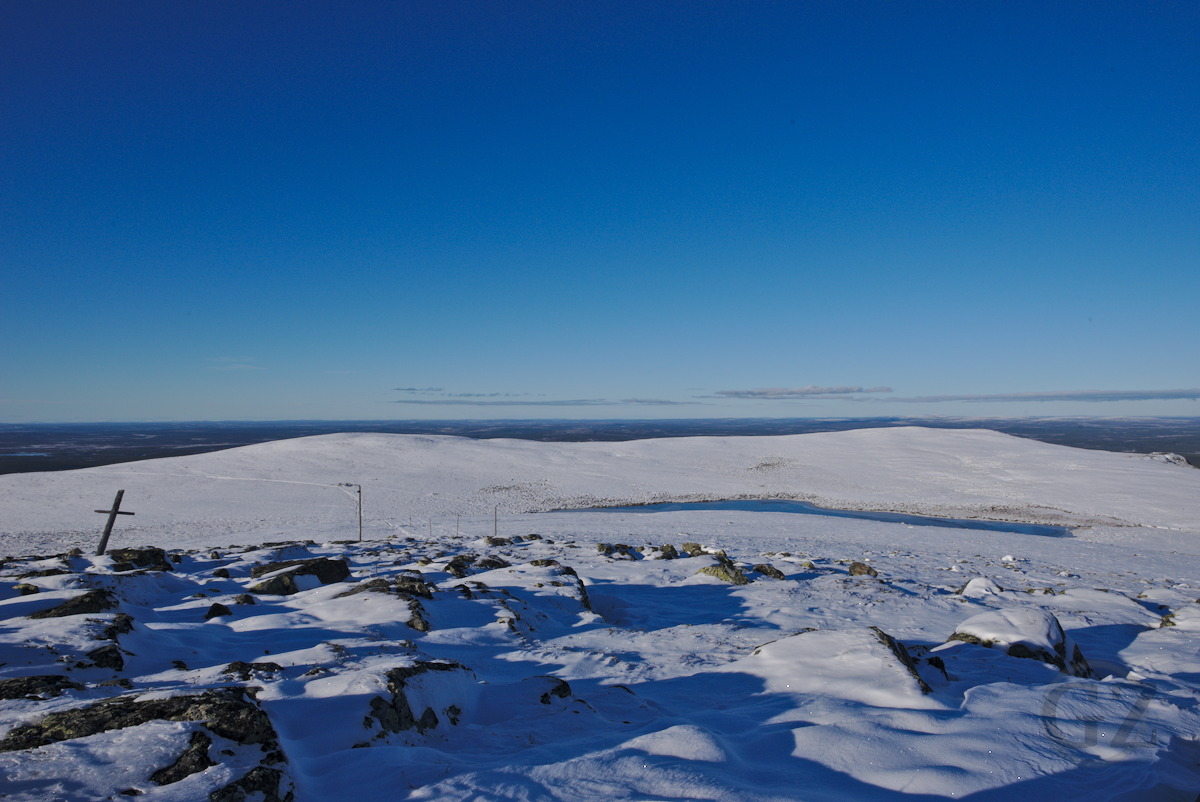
{"points": [[611, 673]]}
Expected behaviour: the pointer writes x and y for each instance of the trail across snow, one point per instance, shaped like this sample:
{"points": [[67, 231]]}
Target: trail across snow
{"points": [[448, 664]]}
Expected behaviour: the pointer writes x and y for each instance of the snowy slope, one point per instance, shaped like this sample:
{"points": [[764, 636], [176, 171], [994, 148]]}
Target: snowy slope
{"points": [[265, 491], [847, 659]]}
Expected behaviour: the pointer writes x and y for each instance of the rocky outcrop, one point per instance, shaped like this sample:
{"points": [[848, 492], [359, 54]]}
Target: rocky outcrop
{"points": [[282, 581], [225, 711], [398, 713], [94, 601], [36, 687], [146, 558]]}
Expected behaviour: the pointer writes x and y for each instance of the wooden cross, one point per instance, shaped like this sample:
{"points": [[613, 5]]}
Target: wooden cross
{"points": [[112, 518]]}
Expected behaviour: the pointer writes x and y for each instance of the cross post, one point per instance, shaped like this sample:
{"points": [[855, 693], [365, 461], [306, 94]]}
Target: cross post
{"points": [[112, 518]]}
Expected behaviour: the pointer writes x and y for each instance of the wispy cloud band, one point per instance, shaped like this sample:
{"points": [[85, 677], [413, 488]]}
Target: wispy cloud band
{"points": [[1061, 395], [463, 402], [811, 391]]}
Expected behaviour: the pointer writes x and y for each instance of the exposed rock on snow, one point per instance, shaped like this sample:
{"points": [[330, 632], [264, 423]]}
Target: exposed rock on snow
{"points": [[861, 569], [420, 687], [95, 601], [769, 570], [282, 576], [146, 558], [194, 759], [725, 570], [227, 712], [36, 687]]}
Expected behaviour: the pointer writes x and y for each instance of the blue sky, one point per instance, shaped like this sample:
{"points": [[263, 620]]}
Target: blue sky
{"points": [[235, 211]]}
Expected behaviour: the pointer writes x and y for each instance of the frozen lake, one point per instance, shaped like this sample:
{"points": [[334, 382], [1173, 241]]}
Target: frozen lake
{"points": [[804, 508]]}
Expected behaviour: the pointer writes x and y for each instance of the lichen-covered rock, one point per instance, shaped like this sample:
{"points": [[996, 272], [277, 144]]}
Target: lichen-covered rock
{"points": [[94, 601], [281, 585], [620, 551], [862, 569], [667, 552], [413, 583], [691, 549], [225, 711], [39, 686], [767, 569], [726, 571], [25, 589], [458, 567], [417, 619], [491, 563], [146, 558]]}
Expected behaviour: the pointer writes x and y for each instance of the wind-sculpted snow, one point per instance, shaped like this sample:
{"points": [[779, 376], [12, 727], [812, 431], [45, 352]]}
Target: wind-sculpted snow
{"points": [[595, 656]]}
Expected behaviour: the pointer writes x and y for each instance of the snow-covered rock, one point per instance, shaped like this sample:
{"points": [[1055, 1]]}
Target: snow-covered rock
{"points": [[1025, 632]]}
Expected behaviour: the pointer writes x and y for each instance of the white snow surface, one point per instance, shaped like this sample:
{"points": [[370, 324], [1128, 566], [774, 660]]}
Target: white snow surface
{"points": [[678, 685]]}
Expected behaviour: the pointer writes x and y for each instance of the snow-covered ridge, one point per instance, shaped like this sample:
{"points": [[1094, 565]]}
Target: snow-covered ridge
{"points": [[405, 478]]}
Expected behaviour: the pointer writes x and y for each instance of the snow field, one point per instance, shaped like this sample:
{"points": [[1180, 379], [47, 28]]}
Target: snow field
{"points": [[554, 671]]}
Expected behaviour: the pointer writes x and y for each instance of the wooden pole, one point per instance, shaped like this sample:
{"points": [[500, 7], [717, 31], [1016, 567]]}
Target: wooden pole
{"points": [[112, 519]]}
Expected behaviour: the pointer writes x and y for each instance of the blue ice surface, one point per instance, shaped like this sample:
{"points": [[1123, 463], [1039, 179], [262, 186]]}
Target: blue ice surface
{"points": [[805, 508]]}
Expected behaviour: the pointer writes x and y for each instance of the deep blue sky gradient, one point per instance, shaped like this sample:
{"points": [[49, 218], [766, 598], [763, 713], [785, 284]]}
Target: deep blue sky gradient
{"points": [[267, 210]]}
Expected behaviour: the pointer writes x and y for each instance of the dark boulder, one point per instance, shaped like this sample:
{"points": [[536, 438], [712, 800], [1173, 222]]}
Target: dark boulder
{"points": [[107, 657], [94, 601], [769, 570]]}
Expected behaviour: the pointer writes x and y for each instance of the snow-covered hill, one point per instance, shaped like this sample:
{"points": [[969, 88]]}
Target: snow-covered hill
{"points": [[267, 491], [603, 655]]}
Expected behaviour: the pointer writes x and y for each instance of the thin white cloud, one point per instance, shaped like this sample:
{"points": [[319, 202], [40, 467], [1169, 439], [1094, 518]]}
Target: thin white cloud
{"points": [[656, 402], [1091, 396], [234, 363], [463, 402], [785, 393]]}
